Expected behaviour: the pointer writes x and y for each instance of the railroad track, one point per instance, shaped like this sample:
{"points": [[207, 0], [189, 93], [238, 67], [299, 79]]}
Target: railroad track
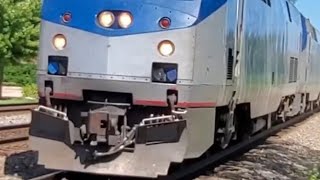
{"points": [[14, 133]]}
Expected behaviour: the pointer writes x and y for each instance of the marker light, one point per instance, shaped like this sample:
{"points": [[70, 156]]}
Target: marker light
{"points": [[125, 20], [59, 41], [166, 48], [66, 17], [106, 19], [165, 23]]}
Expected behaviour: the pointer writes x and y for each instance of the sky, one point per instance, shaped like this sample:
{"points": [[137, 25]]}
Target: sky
{"points": [[310, 9]]}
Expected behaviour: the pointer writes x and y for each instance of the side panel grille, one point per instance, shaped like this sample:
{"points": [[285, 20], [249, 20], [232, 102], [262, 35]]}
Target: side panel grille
{"points": [[293, 71], [230, 64]]}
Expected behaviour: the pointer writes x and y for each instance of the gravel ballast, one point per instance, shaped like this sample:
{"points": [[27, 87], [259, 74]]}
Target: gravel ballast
{"points": [[291, 154], [11, 118]]}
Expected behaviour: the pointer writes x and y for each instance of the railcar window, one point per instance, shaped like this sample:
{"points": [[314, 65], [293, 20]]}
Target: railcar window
{"points": [[267, 2], [293, 13], [289, 14], [314, 34], [304, 32]]}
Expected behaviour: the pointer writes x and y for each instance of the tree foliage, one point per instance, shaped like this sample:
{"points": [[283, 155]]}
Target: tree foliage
{"points": [[19, 31]]}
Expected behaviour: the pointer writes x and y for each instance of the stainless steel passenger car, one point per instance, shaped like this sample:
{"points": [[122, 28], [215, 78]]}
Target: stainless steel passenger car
{"points": [[129, 86]]}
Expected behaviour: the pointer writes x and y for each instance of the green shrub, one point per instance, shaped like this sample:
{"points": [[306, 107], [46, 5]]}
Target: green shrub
{"points": [[21, 74], [314, 174], [30, 91]]}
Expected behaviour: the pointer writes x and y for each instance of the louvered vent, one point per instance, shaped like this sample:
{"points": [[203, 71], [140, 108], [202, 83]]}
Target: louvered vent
{"points": [[230, 65], [293, 71]]}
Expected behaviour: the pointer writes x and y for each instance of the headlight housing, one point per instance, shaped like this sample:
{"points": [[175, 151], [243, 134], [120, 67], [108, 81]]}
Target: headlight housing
{"points": [[164, 73], [166, 48], [57, 65], [106, 19], [59, 41], [125, 19]]}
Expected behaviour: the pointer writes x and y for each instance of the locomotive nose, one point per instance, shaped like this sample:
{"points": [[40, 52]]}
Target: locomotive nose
{"points": [[155, 57], [127, 42]]}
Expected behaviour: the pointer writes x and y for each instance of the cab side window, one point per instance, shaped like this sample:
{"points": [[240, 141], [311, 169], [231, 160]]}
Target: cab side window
{"points": [[268, 2]]}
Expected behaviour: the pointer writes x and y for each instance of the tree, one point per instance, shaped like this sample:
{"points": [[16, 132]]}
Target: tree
{"points": [[19, 31]]}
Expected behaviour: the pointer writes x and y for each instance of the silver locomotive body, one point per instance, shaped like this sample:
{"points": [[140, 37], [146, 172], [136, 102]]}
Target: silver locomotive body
{"points": [[113, 104], [108, 99]]}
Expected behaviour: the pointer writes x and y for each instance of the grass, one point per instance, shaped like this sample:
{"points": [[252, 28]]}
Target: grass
{"points": [[13, 101], [314, 174]]}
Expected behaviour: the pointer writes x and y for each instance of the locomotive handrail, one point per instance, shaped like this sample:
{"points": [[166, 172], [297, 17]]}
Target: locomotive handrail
{"points": [[155, 120], [65, 117], [109, 103], [179, 111]]}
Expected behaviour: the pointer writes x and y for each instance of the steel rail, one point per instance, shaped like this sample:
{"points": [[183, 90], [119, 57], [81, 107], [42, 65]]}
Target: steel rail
{"points": [[49, 176], [14, 127], [192, 170], [18, 107], [13, 140]]}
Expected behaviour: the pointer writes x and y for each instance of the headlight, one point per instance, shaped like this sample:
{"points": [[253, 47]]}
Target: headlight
{"points": [[159, 75], [166, 48], [125, 20], [106, 19], [58, 65], [59, 42]]}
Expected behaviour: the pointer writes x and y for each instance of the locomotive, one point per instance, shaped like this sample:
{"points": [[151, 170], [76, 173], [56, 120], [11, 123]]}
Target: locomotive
{"points": [[129, 88]]}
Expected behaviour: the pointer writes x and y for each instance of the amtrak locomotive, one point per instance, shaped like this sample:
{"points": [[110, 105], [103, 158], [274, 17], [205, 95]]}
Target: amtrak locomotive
{"points": [[131, 87]]}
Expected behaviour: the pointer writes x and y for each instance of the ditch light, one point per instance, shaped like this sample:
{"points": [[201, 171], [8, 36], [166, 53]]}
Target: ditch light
{"points": [[58, 65], [164, 73]]}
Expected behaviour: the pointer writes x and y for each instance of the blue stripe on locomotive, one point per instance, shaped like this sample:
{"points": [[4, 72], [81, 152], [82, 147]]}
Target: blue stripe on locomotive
{"points": [[146, 13]]}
